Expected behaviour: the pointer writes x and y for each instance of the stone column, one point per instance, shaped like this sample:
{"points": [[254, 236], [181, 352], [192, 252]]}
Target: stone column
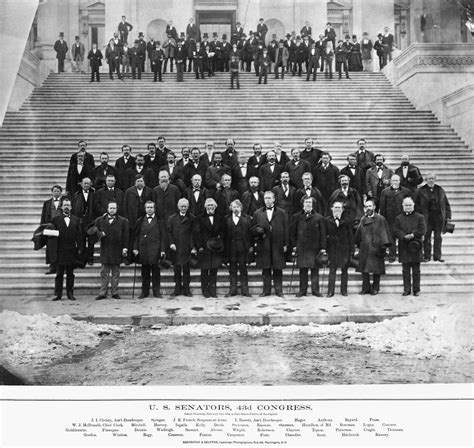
{"points": [[375, 16], [315, 11], [49, 26], [114, 10]]}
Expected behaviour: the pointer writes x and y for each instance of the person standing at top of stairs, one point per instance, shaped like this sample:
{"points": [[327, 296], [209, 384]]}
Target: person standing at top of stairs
{"points": [[61, 48]]}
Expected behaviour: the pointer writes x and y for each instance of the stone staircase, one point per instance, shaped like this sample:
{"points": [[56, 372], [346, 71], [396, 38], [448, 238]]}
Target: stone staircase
{"points": [[37, 141]]}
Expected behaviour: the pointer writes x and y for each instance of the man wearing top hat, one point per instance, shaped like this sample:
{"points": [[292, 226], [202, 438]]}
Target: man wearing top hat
{"points": [[191, 31], [226, 49], [289, 44], [262, 30], [142, 50], [216, 47], [113, 233], [378, 47], [77, 55], [124, 28], [149, 243], [180, 55], [308, 236], [270, 227], [432, 202], [169, 46], [136, 60], [210, 246], [150, 47], [157, 58], [248, 52], [61, 48], [409, 227]]}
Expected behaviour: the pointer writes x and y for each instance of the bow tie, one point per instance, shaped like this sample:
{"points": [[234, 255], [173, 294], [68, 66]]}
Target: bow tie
{"points": [[269, 208], [150, 216], [211, 214], [196, 190]]}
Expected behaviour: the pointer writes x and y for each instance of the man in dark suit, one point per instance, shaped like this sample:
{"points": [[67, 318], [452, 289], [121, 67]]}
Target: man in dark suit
{"points": [[238, 247], [157, 57], [310, 153], [196, 195], [51, 209], [108, 193], [241, 174], [330, 34], [142, 52], [154, 159], [269, 173], [95, 61], [365, 158], [150, 177], [175, 171], [258, 159], [262, 30], [253, 198], [224, 195], [181, 231], [192, 31], [410, 175], [124, 28], [387, 43], [285, 195], [230, 156], [76, 173], [326, 176], [69, 247], [137, 56], [311, 192], [296, 168], [270, 225], [306, 30], [61, 48], [281, 59], [114, 234], [88, 157], [340, 246], [195, 166], [353, 208], [308, 239], [113, 55], [209, 227], [410, 228], [321, 47], [83, 208], [150, 48], [237, 33], [149, 243], [214, 173], [166, 196], [377, 178], [134, 201], [171, 30], [432, 202], [313, 62], [101, 172], [122, 164], [356, 176]]}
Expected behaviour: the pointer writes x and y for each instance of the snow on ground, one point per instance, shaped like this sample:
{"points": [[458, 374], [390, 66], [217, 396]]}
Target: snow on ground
{"points": [[35, 340]]}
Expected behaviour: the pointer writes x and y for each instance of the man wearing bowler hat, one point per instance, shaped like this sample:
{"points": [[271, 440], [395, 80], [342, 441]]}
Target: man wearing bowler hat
{"points": [[113, 233], [149, 249], [270, 226], [262, 30], [210, 246], [142, 50], [309, 241], [432, 202], [409, 227], [61, 48], [181, 233]]}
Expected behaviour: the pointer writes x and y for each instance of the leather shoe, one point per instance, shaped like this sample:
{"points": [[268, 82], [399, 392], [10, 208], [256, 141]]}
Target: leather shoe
{"points": [[263, 294], [206, 295], [100, 297], [214, 295], [391, 260], [50, 271], [439, 259], [330, 294], [364, 292], [374, 292], [280, 295], [231, 294], [300, 294], [317, 294], [157, 296], [417, 293], [116, 297], [406, 293], [71, 297], [247, 294], [426, 259], [187, 294], [344, 294], [55, 298], [142, 296]]}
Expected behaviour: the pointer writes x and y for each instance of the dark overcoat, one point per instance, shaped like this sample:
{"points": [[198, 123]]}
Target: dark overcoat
{"points": [[309, 237], [103, 196], [149, 240], [422, 202], [270, 253], [83, 209], [247, 239], [166, 201], [391, 203], [181, 232], [196, 207], [353, 208], [69, 243], [250, 204], [95, 59], [47, 215], [204, 232], [134, 205], [116, 238], [325, 180], [371, 237], [340, 242], [404, 225]]}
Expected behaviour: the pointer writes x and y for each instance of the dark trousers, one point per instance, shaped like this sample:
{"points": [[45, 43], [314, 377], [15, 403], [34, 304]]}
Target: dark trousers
{"points": [[151, 272], [190, 64], [263, 74], [332, 279], [434, 225], [166, 63], [136, 67], [297, 66], [407, 276], [339, 66], [114, 67], [328, 69], [311, 67], [238, 261], [382, 61], [321, 63], [234, 76], [60, 65], [366, 287], [225, 64], [277, 280], [182, 278], [157, 71], [180, 67], [209, 282], [248, 66], [198, 69], [58, 282], [95, 71], [314, 281], [279, 64], [142, 64], [256, 65]]}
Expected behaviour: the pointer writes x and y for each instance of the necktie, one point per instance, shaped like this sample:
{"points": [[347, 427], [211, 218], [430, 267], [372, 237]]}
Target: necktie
{"points": [[336, 220]]}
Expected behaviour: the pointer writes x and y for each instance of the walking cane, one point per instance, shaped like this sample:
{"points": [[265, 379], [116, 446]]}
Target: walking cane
{"points": [[292, 272], [322, 280], [134, 278]]}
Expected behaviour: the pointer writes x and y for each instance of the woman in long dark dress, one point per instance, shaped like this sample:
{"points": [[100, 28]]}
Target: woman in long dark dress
{"points": [[355, 56]]}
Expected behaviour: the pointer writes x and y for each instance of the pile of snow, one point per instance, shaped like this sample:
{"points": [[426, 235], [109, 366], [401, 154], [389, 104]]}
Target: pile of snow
{"points": [[36, 340], [441, 332]]}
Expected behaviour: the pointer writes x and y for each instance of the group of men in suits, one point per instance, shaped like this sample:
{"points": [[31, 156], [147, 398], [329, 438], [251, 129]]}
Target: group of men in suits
{"points": [[212, 207]]}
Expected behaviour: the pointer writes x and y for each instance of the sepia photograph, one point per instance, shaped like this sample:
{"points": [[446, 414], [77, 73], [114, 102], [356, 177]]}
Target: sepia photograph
{"points": [[236, 192]]}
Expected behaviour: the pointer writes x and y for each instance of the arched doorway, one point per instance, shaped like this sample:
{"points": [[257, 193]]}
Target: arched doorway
{"points": [[157, 29], [275, 27]]}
